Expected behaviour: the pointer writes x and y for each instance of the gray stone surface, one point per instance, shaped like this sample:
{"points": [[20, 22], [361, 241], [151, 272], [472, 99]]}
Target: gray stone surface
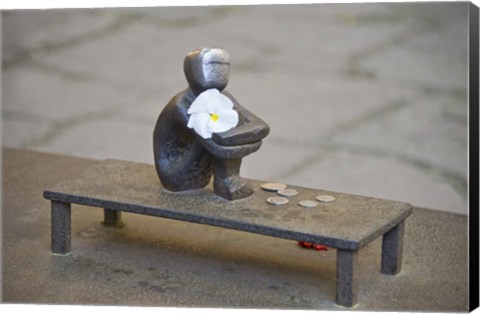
{"points": [[52, 30], [361, 98], [365, 173], [114, 134], [163, 262]]}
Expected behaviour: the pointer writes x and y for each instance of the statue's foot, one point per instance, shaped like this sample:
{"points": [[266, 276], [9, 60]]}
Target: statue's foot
{"points": [[232, 188]]}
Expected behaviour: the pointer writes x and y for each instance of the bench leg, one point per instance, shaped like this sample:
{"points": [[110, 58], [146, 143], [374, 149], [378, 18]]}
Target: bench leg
{"points": [[112, 218], [61, 227], [346, 284], [392, 248]]}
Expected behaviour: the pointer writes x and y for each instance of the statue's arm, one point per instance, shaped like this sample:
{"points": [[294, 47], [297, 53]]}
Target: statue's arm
{"points": [[249, 130]]}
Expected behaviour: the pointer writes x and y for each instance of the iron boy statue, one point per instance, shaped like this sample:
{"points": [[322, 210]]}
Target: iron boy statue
{"points": [[190, 142]]}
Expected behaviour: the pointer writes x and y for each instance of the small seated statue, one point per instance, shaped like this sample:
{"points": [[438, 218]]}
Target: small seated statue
{"points": [[190, 144]]}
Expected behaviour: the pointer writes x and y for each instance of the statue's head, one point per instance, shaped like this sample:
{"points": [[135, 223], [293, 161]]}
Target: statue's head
{"points": [[207, 68]]}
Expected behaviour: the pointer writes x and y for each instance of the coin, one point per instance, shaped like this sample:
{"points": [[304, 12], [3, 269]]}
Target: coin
{"points": [[287, 192], [277, 200], [325, 198], [273, 186], [307, 203]]}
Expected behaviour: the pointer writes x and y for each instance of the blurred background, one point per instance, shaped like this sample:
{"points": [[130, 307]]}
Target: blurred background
{"points": [[365, 99]]}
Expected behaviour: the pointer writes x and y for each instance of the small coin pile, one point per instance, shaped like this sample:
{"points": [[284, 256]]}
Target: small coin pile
{"points": [[275, 187], [282, 190]]}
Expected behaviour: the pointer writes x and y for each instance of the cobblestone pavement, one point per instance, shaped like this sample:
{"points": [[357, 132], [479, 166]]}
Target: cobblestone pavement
{"points": [[361, 98]]}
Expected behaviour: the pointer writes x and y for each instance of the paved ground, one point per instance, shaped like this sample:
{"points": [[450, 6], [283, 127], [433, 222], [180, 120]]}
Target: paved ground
{"points": [[361, 98]]}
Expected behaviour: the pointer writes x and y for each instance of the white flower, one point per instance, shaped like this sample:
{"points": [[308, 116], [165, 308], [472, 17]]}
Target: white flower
{"points": [[211, 112]]}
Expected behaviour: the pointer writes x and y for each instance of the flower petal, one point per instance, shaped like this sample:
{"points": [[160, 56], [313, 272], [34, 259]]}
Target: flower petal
{"points": [[217, 102], [210, 101], [212, 112], [198, 105], [227, 119], [199, 122], [201, 103]]}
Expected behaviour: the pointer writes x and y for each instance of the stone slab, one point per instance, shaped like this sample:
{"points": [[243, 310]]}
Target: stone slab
{"points": [[103, 138], [370, 173], [27, 33], [18, 133], [434, 59], [168, 263], [67, 99], [348, 223], [439, 142]]}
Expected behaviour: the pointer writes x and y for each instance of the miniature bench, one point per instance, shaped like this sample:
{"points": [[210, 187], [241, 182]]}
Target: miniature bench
{"points": [[347, 224]]}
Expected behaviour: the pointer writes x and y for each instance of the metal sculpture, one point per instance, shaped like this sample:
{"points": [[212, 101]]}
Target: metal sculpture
{"points": [[185, 158]]}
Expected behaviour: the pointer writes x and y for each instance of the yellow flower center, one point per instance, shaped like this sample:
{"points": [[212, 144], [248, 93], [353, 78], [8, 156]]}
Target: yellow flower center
{"points": [[214, 117]]}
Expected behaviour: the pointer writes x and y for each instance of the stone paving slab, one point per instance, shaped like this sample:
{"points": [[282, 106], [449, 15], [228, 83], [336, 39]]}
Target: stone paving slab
{"points": [[422, 142], [334, 171], [160, 262], [20, 132], [445, 33], [124, 59], [310, 113], [25, 92], [105, 138], [423, 69], [43, 31]]}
